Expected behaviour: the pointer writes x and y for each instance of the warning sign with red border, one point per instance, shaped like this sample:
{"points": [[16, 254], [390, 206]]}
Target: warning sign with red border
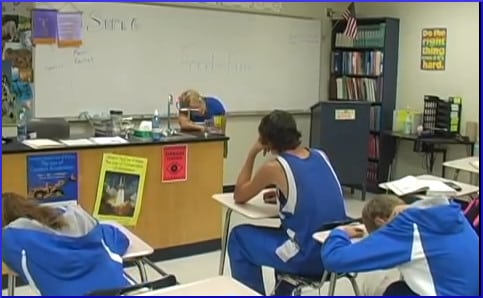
{"points": [[174, 163]]}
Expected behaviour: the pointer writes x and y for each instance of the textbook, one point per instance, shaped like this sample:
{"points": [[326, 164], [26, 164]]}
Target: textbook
{"points": [[411, 185]]}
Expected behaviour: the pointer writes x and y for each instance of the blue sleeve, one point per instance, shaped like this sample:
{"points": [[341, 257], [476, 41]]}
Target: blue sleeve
{"points": [[216, 107], [115, 239], [386, 248], [12, 252]]}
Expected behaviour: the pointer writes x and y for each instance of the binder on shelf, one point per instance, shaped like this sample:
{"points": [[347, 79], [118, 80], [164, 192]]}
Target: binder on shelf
{"points": [[375, 120]]}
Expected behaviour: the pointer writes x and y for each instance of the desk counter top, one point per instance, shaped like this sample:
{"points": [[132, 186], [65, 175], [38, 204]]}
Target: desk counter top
{"points": [[16, 147]]}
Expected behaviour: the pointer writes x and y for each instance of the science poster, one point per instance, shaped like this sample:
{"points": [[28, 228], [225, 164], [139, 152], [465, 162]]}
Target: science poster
{"points": [[120, 189], [52, 178]]}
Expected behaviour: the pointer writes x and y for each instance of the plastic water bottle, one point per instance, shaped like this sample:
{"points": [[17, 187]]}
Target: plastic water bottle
{"points": [[476, 148], [156, 126], [22, 126], [408, 125]]}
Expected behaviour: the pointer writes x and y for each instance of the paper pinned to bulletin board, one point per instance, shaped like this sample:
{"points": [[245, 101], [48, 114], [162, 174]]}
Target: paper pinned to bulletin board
{"points": [[433, 49], [17, 70], [52, 178], [120, 189], [174, 167]]}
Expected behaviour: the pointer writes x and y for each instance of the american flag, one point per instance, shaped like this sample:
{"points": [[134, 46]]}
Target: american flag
{"points": [[350, 16]]}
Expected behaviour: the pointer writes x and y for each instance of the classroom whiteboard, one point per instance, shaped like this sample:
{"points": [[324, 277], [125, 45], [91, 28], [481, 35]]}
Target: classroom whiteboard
{"points": [[134, 55]]}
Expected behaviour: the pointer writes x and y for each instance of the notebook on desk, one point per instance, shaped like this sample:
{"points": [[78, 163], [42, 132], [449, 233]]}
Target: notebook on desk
{"points": [[410, 185]]}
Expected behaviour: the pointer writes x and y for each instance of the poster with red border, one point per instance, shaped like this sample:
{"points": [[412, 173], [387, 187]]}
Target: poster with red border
{"points": [[174, 163]]}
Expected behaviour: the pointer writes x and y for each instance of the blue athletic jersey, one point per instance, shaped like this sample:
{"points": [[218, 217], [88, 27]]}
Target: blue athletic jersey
{"points": [[314, 198], [214, 107], [431, 243], [54, 263]]}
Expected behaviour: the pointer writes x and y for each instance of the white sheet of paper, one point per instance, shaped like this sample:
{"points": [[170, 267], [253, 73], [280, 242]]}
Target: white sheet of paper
{"points": [[77, 142], [108, 140], [42, 143]]}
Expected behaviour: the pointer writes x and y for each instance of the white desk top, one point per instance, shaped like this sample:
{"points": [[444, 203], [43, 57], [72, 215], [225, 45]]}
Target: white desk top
{"points": [[466, 189], [137, 247], [323, 235], [256, 208], [215, 286], [464, 164]]}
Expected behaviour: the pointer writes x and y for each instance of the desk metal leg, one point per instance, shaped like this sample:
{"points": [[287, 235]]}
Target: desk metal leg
{"points": [[456, 174], [332, 283], [11, 285], [142, 270], [224, 240]]}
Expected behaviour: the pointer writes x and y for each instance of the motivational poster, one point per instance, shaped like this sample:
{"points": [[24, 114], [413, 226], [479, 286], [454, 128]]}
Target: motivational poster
{"points": [[52, 178], [174, 163], [120, 188], [433, 49]]}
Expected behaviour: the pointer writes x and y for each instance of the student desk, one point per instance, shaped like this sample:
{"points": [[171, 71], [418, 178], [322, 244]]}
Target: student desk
{"points": [[466, 189], [464, 164], [215, 286], [321, 237], [256, 208], [432, 142], [137, 252], [170, 212]]}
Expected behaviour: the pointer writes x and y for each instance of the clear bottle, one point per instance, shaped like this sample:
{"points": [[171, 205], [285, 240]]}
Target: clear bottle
{"points": [[22, 125], [476, 148], [408, 124], [156, 126]]}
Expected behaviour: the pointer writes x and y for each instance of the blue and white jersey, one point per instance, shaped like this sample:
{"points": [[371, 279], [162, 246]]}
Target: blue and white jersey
{"points": [[431, 243], [83, 257], [314, 198]]}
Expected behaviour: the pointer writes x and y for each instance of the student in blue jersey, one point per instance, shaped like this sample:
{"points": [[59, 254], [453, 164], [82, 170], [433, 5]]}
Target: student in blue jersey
{"points": [[195, 109], [61, 251], [309, 195], [430, 241]]}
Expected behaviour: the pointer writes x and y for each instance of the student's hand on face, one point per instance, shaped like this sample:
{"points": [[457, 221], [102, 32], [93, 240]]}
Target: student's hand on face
{"points": [[258, 147], [354, 231]]}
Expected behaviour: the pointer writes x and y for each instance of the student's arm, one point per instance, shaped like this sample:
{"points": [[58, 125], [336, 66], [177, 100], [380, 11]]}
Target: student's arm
{"points": [[247, 187], [115, 239], [386, 248], [12, 251], [186, 124]]}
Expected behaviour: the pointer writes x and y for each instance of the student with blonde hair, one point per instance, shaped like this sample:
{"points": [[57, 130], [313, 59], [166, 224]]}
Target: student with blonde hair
{"points": [[61, 251], [430, 241], [195, 109]]}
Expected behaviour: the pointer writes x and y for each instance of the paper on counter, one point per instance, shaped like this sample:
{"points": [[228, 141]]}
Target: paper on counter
{"points": [[42, 143], [77, 142]]}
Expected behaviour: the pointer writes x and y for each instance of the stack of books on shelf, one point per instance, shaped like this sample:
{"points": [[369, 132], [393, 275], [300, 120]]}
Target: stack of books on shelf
{"points": [[372, 173], [374, 147], [375, 119], [368, 36], [357, 63], [359, 89]]}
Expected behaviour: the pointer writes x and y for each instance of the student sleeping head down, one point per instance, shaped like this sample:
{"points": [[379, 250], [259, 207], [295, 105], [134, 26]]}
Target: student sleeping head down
{"points": [[61, 250]]}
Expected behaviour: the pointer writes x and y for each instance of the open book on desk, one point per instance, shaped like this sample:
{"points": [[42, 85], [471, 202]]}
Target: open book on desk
{"points": [[410, 185]]}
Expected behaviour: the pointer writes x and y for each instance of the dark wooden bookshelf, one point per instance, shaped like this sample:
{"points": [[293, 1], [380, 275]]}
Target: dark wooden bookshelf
{"points": [[365, 69]]}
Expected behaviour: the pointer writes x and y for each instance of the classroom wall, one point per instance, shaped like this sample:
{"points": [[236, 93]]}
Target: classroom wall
{"points": [[242, 130], [461, 77]]}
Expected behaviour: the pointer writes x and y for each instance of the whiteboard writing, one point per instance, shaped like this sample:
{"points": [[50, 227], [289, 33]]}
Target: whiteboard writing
{"points": [[54, 67], [96, 22], [81, 56], [220, 63]]}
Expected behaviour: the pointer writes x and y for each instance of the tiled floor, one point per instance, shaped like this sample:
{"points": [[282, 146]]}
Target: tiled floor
{"points": [[206, 265]]}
